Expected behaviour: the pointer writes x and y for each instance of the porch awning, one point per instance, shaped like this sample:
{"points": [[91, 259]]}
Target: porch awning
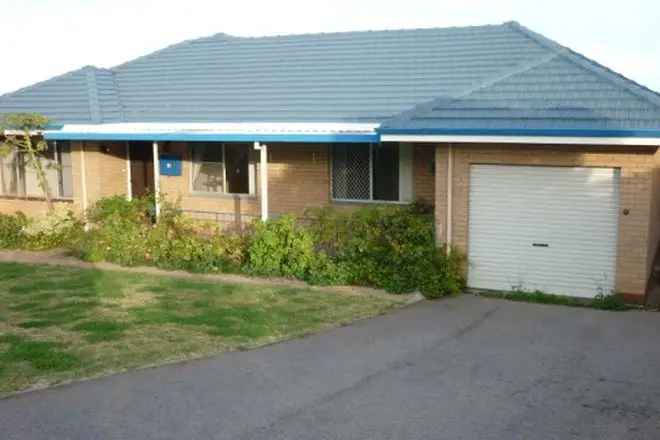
{"points": [[218, 132]]}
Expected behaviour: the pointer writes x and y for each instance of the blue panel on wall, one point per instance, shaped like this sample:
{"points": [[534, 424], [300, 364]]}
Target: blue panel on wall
{"points": [[170, 165]]}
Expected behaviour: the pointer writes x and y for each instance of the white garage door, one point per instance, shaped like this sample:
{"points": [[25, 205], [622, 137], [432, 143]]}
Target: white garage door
{"points": [[552, 229]]}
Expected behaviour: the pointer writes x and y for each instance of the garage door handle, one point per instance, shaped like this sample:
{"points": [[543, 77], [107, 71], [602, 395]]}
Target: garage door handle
{"points": [[540, 245]]}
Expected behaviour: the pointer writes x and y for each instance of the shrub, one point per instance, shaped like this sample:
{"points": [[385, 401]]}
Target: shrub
{"points": [[10, 230], [280, 247], [137, 210], [56, 228], [123, 232], [609, 302], [386, 247], [116, 240], [600, 301], [390, 247], [324, 270], [119, 231], [177, 243]]}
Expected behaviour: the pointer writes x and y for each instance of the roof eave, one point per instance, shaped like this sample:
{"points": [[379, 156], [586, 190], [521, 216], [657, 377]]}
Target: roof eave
{"points": [[641, 137]]}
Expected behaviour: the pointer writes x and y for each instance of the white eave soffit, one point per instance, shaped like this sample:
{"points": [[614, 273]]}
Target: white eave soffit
{"points": [[555, 140]]}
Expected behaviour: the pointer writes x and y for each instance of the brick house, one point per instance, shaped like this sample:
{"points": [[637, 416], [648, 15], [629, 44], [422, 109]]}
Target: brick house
{"points": [[541, 164]]}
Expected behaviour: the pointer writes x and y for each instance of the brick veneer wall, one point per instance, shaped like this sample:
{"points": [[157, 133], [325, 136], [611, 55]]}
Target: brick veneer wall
{"points": [[298, 178], [639, 231]]}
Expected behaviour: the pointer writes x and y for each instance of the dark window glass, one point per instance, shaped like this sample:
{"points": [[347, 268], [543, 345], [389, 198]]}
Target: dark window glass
{"points": [[385, 162], [237, 160]]}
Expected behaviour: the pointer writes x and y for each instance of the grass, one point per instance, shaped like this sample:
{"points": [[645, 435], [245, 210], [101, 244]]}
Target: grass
{"points": [[605, 302], [58, 324]]}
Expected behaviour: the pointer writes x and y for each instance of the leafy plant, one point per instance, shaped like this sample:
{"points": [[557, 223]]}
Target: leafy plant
{"points": [[392, 248], [389, 247], [22, 127], [57, 228], [10, 230], [601, 301], [280, 248]]}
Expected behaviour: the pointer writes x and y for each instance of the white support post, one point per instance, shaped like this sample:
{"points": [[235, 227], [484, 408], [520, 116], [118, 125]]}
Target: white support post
{"points": [[83, 185], [450, 172], [156, 179], [263, 178], [129, 187]]}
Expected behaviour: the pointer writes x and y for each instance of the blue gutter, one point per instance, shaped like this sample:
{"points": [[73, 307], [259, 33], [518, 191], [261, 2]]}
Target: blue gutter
{"points": [[198, 137], [348, 138], [563, 132]]}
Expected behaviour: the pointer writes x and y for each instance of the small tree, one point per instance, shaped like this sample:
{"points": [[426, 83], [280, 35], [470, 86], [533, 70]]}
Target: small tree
{"points": [[19, 138]]}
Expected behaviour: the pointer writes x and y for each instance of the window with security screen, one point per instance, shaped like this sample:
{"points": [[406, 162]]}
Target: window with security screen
{"points": [[366, 172]]}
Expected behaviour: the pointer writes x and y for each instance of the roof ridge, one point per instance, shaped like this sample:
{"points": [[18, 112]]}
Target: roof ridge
{"points": [[616, 78], [156, 52], [93, 95], [229, 37], [122, 113], [367, 31], [515, 70], [40, 83]]}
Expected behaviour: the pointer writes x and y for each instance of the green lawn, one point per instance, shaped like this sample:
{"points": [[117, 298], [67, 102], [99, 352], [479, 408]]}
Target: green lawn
{"points": [[59, 323]]}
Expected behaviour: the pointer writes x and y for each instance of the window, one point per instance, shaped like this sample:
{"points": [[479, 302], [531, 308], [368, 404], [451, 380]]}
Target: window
{"points": [[370, 172], [222, 168], [19, 180]]}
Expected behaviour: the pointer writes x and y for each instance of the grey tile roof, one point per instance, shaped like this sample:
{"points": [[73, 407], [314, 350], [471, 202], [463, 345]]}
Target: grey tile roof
{"points": [[86, 95], [561, 91], [498, 76]]}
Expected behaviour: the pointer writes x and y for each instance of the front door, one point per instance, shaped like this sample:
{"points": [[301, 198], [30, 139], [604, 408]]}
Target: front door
{"points": [[142, 168], [237, 158]]}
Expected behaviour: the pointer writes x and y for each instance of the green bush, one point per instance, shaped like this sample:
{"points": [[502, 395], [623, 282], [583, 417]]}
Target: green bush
{"points": [[390, 247], [325, 270], [117, 240], [10, 230], [178, 243], [57, 228], [609, 302], [280, 247], [123, 232], [137, 210], [118, 231], [601, 301]]}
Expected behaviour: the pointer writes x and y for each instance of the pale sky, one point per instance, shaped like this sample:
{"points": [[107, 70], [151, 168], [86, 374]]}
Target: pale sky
{"points": [[43, 38]]}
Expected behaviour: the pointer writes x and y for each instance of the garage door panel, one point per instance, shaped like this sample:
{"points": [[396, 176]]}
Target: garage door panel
{"points": [[572, 210]]}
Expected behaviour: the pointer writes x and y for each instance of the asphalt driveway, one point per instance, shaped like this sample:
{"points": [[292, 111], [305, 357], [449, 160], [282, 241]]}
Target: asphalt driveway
{"points": [[464, 368]]}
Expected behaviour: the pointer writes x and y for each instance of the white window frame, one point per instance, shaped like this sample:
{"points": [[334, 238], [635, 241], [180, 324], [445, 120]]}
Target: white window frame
{"points": [[57, 191], [251, 172], [405, 174]]}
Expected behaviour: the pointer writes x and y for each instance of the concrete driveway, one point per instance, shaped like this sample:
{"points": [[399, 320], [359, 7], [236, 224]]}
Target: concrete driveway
{"points": [[464, 368]]}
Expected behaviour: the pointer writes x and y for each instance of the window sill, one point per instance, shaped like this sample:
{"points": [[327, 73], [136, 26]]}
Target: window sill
{"points": [[224, 196], [36, 199]]}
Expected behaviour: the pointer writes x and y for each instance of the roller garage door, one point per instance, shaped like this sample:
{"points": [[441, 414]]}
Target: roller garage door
{"points": [[552, 229]]}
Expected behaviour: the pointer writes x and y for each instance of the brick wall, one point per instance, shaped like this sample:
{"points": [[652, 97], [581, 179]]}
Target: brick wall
{"points": [[423, 173], [638, 231], [654, 222], [298, 178], [105, 165]]}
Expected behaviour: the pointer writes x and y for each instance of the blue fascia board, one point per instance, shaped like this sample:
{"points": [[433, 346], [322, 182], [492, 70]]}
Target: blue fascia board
{"points": [[560, 132], [197, 137]]}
